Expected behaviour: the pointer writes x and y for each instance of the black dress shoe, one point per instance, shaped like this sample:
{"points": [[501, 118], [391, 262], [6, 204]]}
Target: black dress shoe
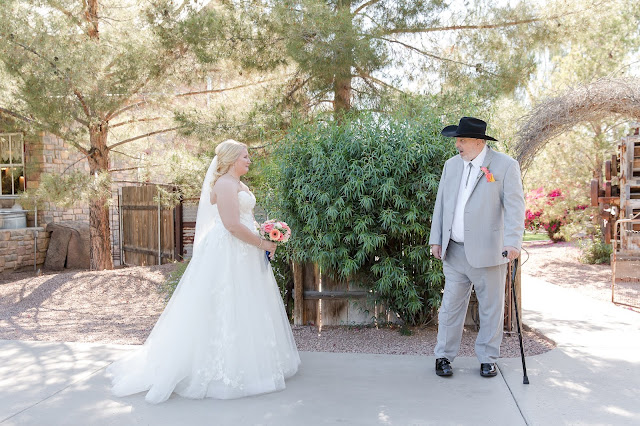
{"points": [[443, 367], [488, 369]]}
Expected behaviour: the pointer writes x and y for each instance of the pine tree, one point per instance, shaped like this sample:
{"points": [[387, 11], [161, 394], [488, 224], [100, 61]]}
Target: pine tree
{"points": [[79, 69], [350, 51]]}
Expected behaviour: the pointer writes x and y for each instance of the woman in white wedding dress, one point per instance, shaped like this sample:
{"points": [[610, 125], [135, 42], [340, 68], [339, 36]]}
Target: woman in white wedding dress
{"points": [[224, 333]]}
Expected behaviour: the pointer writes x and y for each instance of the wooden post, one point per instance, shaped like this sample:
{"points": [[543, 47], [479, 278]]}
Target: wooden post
{"points": [[178, 241], [298, 294], [311, 276], [334, 312]]}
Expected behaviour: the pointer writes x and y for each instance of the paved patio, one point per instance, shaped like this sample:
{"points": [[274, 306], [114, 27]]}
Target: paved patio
{"points": [[591, 378]]}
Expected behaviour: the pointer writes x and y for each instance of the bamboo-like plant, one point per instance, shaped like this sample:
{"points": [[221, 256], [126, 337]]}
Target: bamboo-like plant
{"points": [[359, 198]]}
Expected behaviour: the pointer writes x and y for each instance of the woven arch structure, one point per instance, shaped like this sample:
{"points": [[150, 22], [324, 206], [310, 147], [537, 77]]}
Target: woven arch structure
{"points": [[590, 102]]}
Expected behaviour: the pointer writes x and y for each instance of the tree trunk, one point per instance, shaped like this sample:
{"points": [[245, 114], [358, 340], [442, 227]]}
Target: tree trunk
{"points": [[99, 225], [342, 95], [91, 15], [344, 60]]}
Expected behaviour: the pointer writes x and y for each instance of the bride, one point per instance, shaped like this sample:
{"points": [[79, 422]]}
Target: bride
{"points": [[224, 333]]}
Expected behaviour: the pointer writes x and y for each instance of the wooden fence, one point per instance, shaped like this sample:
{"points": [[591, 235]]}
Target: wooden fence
{"points": [[147, 229], [326, 301], [320, 300]]}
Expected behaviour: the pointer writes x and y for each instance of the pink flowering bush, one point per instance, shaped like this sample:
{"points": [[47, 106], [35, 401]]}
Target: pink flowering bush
{"points": [[545, 211]]}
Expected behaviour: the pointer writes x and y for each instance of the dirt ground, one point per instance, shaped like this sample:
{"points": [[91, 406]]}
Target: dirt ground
{"points": [[557, 263], [121, 306]]}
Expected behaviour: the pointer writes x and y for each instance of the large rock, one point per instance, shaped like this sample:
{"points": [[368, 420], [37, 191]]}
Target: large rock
{"points": [[68, 247]]}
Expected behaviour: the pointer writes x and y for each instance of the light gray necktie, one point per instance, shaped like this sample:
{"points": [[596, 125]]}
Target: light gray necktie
{"points": [[468, 174]]}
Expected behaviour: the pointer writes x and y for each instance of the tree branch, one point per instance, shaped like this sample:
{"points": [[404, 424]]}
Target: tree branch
{"points": [[117, 112], [295, 87], [431, 55], [135, 120], [113, 113], [146, 135], [126, 155], [32, 121], [466, 27], [133, 168], [202, 92], [75, 162], [81, 121], [489, 26], [56, 72], [56, 5], [76, 146], [364, 5], [85, 107], [366, 76], [16, 115]]}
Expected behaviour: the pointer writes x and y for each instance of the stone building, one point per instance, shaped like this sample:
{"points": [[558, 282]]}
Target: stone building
{"points": [[25, 158]]}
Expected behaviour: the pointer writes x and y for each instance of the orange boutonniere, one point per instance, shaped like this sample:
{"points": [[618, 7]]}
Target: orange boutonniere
{"points": [[487, 174]]}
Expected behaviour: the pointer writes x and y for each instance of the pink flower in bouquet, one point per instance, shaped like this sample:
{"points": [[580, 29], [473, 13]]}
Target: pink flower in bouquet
{"points": [[275, 235]]}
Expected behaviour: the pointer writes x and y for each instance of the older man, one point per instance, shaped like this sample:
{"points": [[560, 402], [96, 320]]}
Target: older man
{"points": [[478, 215]]}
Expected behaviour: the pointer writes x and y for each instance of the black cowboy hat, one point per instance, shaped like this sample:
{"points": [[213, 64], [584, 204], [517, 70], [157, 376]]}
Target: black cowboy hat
{"points": [[468, 127]]}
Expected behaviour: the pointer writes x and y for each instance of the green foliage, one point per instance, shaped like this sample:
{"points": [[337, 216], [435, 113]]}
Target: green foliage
{"points": [[68, 189], [598, 44], [283, 273], [359, 197], [404, 330], [169, 286], [595, 251], [382, 47]]}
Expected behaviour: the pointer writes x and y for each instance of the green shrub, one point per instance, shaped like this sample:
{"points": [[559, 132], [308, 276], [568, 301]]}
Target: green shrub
{"points": [[595, 251], [359, 198], [169, 286]]}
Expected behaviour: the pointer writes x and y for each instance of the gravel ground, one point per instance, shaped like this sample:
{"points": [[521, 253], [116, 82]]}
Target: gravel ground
{"points": [[121, 306]]}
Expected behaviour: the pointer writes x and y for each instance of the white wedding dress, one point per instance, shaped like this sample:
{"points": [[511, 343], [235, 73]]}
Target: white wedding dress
{"points": [[224, 333]]}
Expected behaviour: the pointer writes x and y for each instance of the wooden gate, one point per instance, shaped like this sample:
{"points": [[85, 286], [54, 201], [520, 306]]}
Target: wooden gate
{"points": [[147, 229]]}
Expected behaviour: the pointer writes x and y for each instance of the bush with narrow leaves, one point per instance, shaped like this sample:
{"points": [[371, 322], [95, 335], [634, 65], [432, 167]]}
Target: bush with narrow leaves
{"points": [[359, 197]]}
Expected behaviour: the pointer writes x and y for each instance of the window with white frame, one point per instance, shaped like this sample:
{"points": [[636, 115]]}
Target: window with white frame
{"points": [[12, 163]]}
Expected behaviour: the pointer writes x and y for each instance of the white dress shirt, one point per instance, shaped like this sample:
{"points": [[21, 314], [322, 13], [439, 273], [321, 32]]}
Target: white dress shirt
{"points": [[466, 186]]}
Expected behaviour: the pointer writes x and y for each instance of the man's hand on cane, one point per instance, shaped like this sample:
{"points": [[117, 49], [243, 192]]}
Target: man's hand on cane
{"points": [[511, 252]]}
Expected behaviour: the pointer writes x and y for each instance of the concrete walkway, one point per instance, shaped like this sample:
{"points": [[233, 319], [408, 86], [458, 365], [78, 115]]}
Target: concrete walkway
{"points": [[592, 377]]}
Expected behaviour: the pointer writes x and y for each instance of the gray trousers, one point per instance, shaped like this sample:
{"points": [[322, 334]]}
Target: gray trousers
{"points": [[489, 286]]}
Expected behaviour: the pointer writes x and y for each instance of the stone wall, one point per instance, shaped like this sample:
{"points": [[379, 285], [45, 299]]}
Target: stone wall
{"points": [[52, 155], [19, 247], [48, 154]]}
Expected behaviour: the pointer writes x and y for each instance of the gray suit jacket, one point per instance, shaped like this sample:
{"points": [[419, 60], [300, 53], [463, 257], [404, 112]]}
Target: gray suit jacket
{"points": [[493, 215]]}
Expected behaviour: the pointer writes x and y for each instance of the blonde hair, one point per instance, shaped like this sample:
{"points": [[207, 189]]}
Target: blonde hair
{"points": [[227, 152]]}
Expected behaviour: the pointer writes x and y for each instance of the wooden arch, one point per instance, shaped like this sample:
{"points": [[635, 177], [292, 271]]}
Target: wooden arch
{"points": [[590, 102]]}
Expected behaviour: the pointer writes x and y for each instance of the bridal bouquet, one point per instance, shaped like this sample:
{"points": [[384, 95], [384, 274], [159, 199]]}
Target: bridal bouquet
{"points": [[275, 231]]}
